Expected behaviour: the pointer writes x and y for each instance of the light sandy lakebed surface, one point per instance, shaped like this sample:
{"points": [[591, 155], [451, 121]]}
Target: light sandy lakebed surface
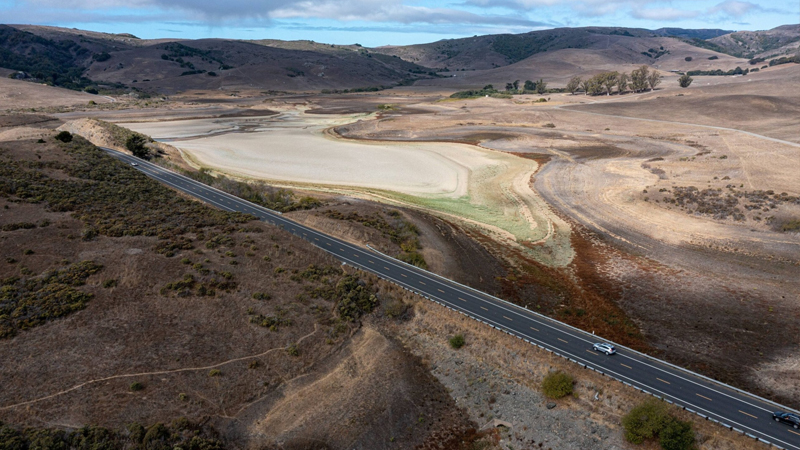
{"points": [[477, 186]]}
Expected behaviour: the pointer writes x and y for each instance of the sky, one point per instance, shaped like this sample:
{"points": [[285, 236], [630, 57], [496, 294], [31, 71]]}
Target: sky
{"points": [[387, 22]]}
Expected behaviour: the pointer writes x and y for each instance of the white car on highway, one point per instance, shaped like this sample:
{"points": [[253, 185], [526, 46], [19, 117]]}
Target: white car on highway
{"points": [[608, 349]]}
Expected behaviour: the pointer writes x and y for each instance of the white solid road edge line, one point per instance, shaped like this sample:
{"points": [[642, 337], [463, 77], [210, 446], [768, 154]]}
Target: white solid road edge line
{"points": [[584, 333], [548, 319]]}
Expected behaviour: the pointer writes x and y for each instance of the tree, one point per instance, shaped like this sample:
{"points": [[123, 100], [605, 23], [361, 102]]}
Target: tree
{"points": [[488, 87], [585, 85], [639, 79], [654, 80], [509, 86], [541, 87], [516, 85], [137, 145], [685, 80], [64, 136], [573, 85], [622, 82], [610, 80], [529, 85]]}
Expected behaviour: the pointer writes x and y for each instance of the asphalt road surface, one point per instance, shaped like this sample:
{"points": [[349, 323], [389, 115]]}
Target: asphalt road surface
{"points": [[732, 408]]}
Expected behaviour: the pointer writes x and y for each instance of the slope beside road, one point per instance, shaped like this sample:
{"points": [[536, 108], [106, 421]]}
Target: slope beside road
{"points": [[732, 408]]}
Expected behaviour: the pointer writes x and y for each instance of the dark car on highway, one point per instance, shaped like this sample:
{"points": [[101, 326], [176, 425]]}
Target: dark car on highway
{"points": [[788, 418]]}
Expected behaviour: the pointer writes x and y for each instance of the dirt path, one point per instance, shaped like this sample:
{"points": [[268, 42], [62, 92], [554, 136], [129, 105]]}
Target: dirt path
{"points": [[160, 372]]}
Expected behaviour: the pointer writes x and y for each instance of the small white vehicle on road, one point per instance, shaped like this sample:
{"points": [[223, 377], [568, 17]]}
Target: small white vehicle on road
{"points": [[134, 164], [608, 349]]}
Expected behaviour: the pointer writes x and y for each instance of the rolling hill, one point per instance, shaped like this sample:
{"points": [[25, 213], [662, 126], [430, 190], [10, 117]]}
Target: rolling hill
{"points": [[117, 63], [76, 59], [775, 42]]}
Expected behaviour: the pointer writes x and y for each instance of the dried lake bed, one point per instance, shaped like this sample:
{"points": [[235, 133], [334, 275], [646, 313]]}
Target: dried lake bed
{"points": [[473, 185]]}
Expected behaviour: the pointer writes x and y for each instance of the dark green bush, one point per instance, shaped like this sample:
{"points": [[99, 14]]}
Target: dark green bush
{"points": [[645, 421], [457, 341], [64, 136], [18, 226], [136, 386], [677, 435], [557, 385], [355, 298]]}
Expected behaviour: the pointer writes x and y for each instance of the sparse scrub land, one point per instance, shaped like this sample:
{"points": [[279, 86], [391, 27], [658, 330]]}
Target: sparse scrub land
{"points": [[181, 433], [109, 197], [26, 302], [276, 199], [392, 225], [733, 203]]}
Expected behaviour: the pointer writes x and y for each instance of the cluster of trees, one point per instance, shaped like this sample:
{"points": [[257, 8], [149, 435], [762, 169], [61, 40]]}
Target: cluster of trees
{"points": [[529, 87], [609, 82]]}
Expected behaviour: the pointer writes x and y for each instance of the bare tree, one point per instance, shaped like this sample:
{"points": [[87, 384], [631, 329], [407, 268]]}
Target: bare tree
{"points": [[654, 80], [573, 85]]}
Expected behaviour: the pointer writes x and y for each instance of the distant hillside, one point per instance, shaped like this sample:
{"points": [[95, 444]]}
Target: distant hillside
{"points": [[611, 53], [76, 59], [748, 44], [689, 33], [491, 51], [57, 62], [115, 63]]}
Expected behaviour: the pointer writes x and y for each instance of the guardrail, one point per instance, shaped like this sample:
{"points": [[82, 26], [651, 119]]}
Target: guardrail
{"points": [[586, 366]]}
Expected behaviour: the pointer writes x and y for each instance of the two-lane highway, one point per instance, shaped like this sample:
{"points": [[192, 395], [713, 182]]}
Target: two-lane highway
{"points": [[733, 408]]}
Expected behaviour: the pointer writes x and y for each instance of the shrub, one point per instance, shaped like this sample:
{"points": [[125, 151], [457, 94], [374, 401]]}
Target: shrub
{"points": [[261, 296], [645, 421], [685, 80], [136, 386], [677, 435], [183, 397], [557, 385], [64, 136], [109, 283], [791, 226], [292, 350], [457, 341], [355, 298], [687, 59], [214, 373]]}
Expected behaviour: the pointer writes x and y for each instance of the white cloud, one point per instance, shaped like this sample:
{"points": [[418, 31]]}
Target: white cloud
{"points": [[735, 8], [665, 14]]}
